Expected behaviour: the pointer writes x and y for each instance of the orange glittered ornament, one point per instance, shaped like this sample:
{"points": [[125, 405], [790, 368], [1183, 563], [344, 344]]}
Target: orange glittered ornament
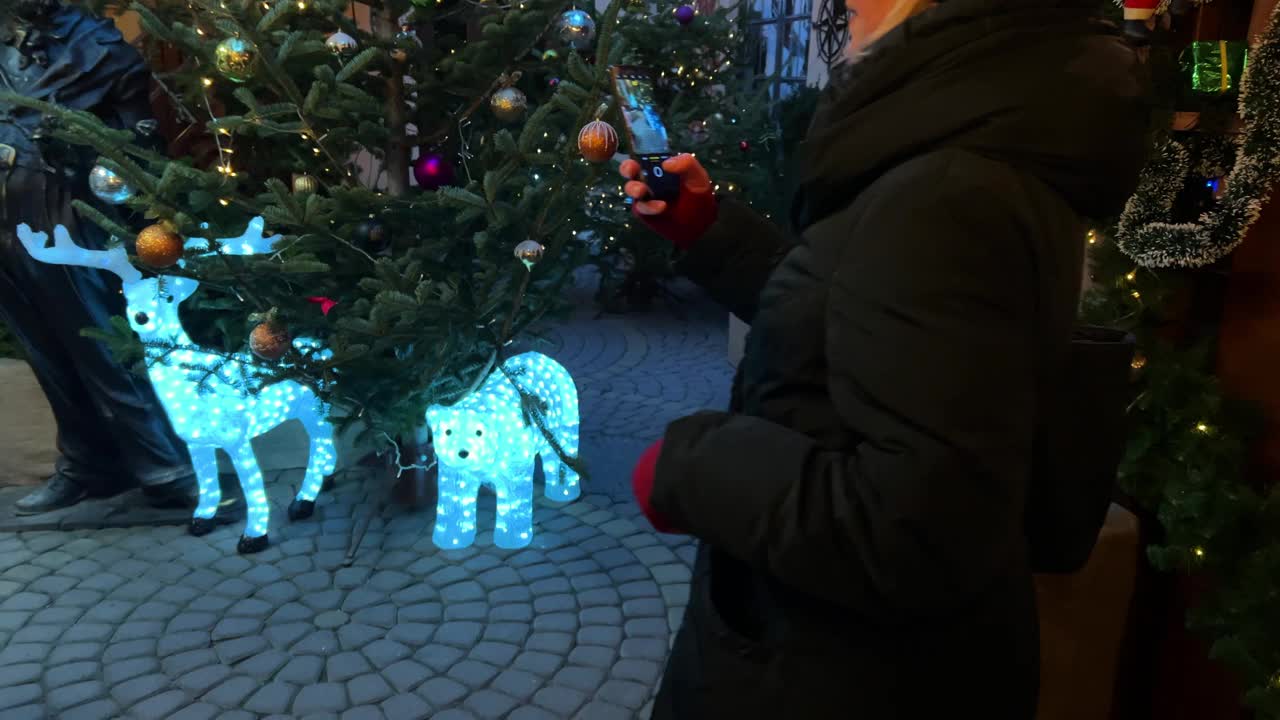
{"points": [[598, 141], [270, 341], [158, 246]]}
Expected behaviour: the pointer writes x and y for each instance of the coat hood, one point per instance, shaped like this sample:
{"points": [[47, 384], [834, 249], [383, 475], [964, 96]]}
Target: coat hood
{"points": [[1045, 86]]}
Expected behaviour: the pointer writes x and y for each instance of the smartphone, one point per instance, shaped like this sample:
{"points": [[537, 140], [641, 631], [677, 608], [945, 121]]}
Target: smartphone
{"points": [[650, 145]]}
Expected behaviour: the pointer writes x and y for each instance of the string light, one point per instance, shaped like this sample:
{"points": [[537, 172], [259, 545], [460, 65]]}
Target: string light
{"points": [[1199, 551], [1136, 295], [1131, 275], [224, 202], [484, 440], [1202, 428], [207, 82], [1092, 237]]}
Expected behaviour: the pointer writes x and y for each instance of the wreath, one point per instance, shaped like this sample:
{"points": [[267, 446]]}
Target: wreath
{"points": [[1144, 232]]}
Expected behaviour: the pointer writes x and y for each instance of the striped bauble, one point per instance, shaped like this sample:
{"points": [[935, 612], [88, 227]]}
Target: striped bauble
{"points": [[598, 141]]}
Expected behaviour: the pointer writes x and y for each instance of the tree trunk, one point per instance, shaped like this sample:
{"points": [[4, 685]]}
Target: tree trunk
{"points": [[396, 162], [415, 487]]}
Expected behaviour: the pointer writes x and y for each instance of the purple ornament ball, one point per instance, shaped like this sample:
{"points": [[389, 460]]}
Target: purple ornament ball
{"points": [[684, 14], [432, 171]]}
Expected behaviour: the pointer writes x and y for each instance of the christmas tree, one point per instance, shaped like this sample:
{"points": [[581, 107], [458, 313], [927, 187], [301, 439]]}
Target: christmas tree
{"points": [[433, 170], [1156, 272], [713, 109]]}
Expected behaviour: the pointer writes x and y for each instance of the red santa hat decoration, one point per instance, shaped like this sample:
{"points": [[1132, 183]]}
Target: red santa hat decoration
{"points": [[1140, 15]]}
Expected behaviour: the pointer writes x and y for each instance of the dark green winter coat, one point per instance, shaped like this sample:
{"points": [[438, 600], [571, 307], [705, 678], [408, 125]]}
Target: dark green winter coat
{"points": [[861, 505]]}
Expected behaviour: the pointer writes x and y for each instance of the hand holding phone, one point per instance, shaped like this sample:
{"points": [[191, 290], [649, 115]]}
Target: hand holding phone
{"points": [[650, 147], [683, 219], [692, 180]]}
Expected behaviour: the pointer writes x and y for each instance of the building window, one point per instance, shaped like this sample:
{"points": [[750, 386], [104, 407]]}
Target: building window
{"points": [[832, 29], [779, 43]]}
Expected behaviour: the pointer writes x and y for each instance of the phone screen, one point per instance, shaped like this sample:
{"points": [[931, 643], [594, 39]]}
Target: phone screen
{"points": [[648, 134]]}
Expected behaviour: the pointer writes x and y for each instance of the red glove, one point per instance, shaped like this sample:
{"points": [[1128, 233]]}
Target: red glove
{"points": [[642, 485], [686, 218]]}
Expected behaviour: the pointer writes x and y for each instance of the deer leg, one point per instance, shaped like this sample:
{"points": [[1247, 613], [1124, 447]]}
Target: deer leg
{"points": [[319, 465], [205, 460], [513, 525], [254, 538], [456, 509]]}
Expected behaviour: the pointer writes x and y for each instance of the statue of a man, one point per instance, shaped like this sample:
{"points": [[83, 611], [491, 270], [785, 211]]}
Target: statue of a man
{"points": [[112, 432]]}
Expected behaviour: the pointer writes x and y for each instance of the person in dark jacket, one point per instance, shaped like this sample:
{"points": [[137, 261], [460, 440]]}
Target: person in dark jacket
{"points": [[113, 434], [860, 507]]}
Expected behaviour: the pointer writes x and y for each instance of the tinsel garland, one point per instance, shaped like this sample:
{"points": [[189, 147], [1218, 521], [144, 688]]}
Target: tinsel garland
{"points": [[1144, 233]]}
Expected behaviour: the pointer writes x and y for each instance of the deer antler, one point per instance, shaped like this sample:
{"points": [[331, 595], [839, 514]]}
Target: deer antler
{"points": [[65, 252], [252, 242]]}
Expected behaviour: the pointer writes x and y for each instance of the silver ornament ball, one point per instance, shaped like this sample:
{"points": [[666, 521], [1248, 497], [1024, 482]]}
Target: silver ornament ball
{"points": [[530, 253], [107, 186], [576, 29], [341, 43], [509, 104]]}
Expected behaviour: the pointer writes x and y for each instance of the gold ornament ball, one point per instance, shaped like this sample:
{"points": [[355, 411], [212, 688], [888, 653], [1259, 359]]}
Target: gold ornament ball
{"points": [[530, 252], [549, 55], [305, 184], [597, 141], [270, 341], [508, 104], [235, 58], [159, 247]]}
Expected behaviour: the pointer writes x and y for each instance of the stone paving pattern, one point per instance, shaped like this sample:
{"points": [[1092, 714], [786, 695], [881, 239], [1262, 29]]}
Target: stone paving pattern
{"points": [[151, 623]]}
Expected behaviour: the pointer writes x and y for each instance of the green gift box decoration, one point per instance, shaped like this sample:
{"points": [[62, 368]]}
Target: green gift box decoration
{"points": [[1214, 66]]}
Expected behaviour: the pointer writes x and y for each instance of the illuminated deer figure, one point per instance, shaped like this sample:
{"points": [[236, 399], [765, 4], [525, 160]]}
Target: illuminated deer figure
{"points": [[215, 412]]}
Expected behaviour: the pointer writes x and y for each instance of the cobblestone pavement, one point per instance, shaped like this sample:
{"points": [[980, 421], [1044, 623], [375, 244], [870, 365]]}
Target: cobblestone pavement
{"points": [[153, 623]]}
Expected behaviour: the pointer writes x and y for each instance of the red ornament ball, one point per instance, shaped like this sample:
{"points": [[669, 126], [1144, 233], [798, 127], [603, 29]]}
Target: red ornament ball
{"points": [[432, 171], [744, 146], [554, 82], [684, 14]]}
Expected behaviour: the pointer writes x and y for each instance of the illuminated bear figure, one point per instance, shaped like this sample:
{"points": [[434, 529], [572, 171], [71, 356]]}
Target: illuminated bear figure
{"points": [[484, 440]]}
